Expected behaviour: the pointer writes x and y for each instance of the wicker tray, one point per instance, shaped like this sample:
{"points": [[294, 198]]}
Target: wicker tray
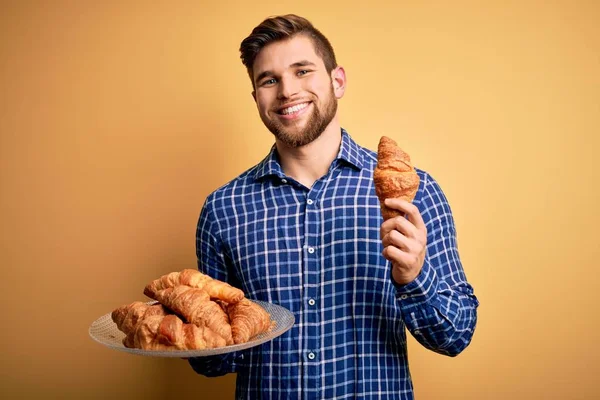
{"points": [[104, 331]]}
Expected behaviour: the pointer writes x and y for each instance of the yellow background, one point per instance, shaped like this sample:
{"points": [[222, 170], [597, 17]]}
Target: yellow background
{"points": [[118, 118]]}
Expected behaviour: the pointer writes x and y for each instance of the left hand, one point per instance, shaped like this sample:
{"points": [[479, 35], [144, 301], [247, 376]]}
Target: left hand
{"points": [[404, 241]]}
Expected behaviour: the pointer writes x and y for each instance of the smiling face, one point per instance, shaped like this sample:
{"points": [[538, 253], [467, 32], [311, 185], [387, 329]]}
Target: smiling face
{"points": [[294, 93]]}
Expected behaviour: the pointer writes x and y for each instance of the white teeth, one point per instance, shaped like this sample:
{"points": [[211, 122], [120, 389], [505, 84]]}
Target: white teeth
{"points": [[293, 109]]}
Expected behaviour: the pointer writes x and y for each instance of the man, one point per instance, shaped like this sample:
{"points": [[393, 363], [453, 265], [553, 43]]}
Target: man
{"points": [[303, 229]]}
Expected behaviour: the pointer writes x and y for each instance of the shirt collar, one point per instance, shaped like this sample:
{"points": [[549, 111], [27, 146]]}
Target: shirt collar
{"points": [[350, 152]]}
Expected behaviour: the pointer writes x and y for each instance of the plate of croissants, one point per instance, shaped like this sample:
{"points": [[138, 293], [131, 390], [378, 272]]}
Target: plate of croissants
{"points": [[191, 315]]}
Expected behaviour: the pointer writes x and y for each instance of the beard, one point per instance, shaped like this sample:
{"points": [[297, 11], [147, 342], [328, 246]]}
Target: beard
{"points": [[318, 121]]}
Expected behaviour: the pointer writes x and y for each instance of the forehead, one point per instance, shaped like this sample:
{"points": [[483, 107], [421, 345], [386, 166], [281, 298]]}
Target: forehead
{"points": [[280, 55]]}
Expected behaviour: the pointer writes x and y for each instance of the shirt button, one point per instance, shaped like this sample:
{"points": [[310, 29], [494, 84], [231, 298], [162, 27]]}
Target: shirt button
{"points": [[311, 250], [309, 201], [417, 332], [311, 356], [311, 302], [404, 297], [284, 180]]}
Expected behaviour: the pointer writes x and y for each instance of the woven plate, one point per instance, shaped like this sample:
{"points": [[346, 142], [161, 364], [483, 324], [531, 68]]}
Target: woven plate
{"points": [[104, 331]]}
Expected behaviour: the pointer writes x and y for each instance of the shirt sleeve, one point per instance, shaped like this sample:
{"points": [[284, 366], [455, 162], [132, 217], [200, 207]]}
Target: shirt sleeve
{"points": [[439, 307], [212, 261]]}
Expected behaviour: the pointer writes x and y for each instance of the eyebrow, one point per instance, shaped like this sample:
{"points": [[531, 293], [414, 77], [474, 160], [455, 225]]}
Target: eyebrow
{"points": [[303, 63]]}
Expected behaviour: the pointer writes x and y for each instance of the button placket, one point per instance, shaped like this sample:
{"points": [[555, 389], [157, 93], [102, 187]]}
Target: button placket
{"points": [[312, 270]]}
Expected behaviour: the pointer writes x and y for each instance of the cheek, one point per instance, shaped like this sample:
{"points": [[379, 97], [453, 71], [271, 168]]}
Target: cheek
{"points": [[261, 104], [320, 86], [264, 100]]}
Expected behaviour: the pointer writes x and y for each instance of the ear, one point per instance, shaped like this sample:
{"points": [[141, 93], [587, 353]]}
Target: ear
{"points": [[254, 95], [338, 80]]}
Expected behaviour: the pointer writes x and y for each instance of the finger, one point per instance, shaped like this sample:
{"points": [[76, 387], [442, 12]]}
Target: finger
{"points": [[412, 212], [397, 204], [395, 238], [405, 227], [387, 226], [400, 224], [399, 259]]}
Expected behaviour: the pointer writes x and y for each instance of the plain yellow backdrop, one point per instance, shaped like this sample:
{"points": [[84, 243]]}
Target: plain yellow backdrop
{"points": [[117, 119]]}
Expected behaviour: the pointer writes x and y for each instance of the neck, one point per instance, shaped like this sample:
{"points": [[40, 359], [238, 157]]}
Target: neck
{"points": [[308, 163]]}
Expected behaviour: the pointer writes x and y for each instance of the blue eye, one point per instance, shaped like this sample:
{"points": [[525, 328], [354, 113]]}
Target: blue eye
{"points": [[271, 81]]}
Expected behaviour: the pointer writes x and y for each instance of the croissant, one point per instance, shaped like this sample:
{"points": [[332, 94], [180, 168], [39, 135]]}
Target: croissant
{"points": [[196, 307], [248, 319], [216, 289], [149, 327], [170, 333], [128, 316], [394, 176]]}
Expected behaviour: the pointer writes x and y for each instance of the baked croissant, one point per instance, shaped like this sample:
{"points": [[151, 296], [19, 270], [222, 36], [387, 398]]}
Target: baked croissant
{"points": [[150, 327], [216, 289], [248, 319], [128, 316], [170, 333], [394, 176], [196, 307]]}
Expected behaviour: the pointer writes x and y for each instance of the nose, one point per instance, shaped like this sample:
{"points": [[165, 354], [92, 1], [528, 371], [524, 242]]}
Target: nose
{"points": [[288, 87]]}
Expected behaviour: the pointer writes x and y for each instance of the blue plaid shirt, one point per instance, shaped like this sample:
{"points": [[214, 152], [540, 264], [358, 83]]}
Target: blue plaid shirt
{"points": [[318, 253]]}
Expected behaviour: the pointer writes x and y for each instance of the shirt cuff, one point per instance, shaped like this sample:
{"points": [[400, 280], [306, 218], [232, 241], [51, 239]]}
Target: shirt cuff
{"points": [[421, 290], [213, 366]]}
